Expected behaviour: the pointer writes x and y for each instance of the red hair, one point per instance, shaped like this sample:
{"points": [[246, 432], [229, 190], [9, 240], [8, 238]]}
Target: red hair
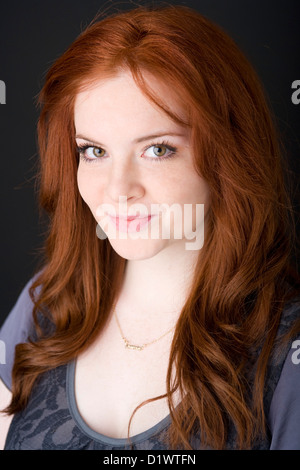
{"points": [[243, 276]]}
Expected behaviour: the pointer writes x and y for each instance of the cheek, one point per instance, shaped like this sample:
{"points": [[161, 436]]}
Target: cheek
{"points": [[194, 190], [82, 183], [203, 192], [87, 187]]}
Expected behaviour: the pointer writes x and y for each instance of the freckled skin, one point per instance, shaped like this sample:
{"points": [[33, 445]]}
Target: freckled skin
{"points": [[116, 113]]}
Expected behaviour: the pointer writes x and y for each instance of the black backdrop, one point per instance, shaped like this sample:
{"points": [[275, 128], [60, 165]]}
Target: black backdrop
{"points": [[34, 33]]}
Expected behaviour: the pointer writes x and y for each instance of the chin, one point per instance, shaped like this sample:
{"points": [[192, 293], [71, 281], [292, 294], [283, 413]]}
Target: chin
{"points": [[137, 249]]}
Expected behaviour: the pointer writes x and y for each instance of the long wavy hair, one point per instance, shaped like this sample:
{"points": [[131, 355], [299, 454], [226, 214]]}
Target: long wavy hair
{"points": [[244, 274]]}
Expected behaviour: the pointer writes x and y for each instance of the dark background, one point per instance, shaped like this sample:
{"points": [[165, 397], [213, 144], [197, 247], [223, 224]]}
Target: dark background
{"points": [[34, 33]]}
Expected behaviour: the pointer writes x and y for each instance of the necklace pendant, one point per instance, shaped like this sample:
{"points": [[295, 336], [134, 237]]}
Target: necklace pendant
{"points": [[134, 347]]}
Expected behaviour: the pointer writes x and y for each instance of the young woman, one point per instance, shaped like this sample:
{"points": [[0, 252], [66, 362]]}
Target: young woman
{"points": [[165, 314]]}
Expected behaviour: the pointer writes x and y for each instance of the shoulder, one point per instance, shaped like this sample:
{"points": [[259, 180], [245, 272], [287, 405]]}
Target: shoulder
{"points": [[284, 413], [16, 329]]}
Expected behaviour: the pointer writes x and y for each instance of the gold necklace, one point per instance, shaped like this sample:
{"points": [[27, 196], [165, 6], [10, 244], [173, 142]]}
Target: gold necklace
{"points": [[128, 345]]}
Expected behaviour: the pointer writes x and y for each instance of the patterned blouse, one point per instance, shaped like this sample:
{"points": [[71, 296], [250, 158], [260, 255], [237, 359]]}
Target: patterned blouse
{"points": [[51, 420]]}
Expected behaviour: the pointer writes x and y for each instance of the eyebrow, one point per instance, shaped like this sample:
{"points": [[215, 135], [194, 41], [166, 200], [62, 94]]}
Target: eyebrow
{"points": [[135, 141]]}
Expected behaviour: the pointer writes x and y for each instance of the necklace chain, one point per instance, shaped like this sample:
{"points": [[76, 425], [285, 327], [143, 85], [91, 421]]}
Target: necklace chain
{"points": [[135, 347]]}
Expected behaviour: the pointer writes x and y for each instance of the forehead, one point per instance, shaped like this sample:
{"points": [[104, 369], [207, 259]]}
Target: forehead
{"points": [[119, 100]]}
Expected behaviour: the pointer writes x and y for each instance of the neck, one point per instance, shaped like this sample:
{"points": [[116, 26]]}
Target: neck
{"points": [[158, 285]]}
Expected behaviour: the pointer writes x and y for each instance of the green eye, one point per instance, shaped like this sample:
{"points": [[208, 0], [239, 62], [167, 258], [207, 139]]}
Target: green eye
{"points": [[89, 153], [98, 152], [159, 150]]}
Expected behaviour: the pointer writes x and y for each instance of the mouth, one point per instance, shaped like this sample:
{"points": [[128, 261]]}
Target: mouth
{"points": [[125, 223]]}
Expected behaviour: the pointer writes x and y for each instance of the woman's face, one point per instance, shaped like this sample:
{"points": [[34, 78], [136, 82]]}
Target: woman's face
{"points": [[135, 160]]}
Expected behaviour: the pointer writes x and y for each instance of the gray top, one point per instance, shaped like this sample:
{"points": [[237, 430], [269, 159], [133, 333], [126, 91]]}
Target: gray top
{"points": [[51, 419], [15, 329], [101, 437]]}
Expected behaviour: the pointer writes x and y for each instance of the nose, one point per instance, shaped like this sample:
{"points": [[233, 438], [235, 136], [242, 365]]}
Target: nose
{"points": [[124, 179]]}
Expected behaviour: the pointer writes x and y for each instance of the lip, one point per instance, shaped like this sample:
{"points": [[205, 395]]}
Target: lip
{"points": [[125, 223], [129, 217]]}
